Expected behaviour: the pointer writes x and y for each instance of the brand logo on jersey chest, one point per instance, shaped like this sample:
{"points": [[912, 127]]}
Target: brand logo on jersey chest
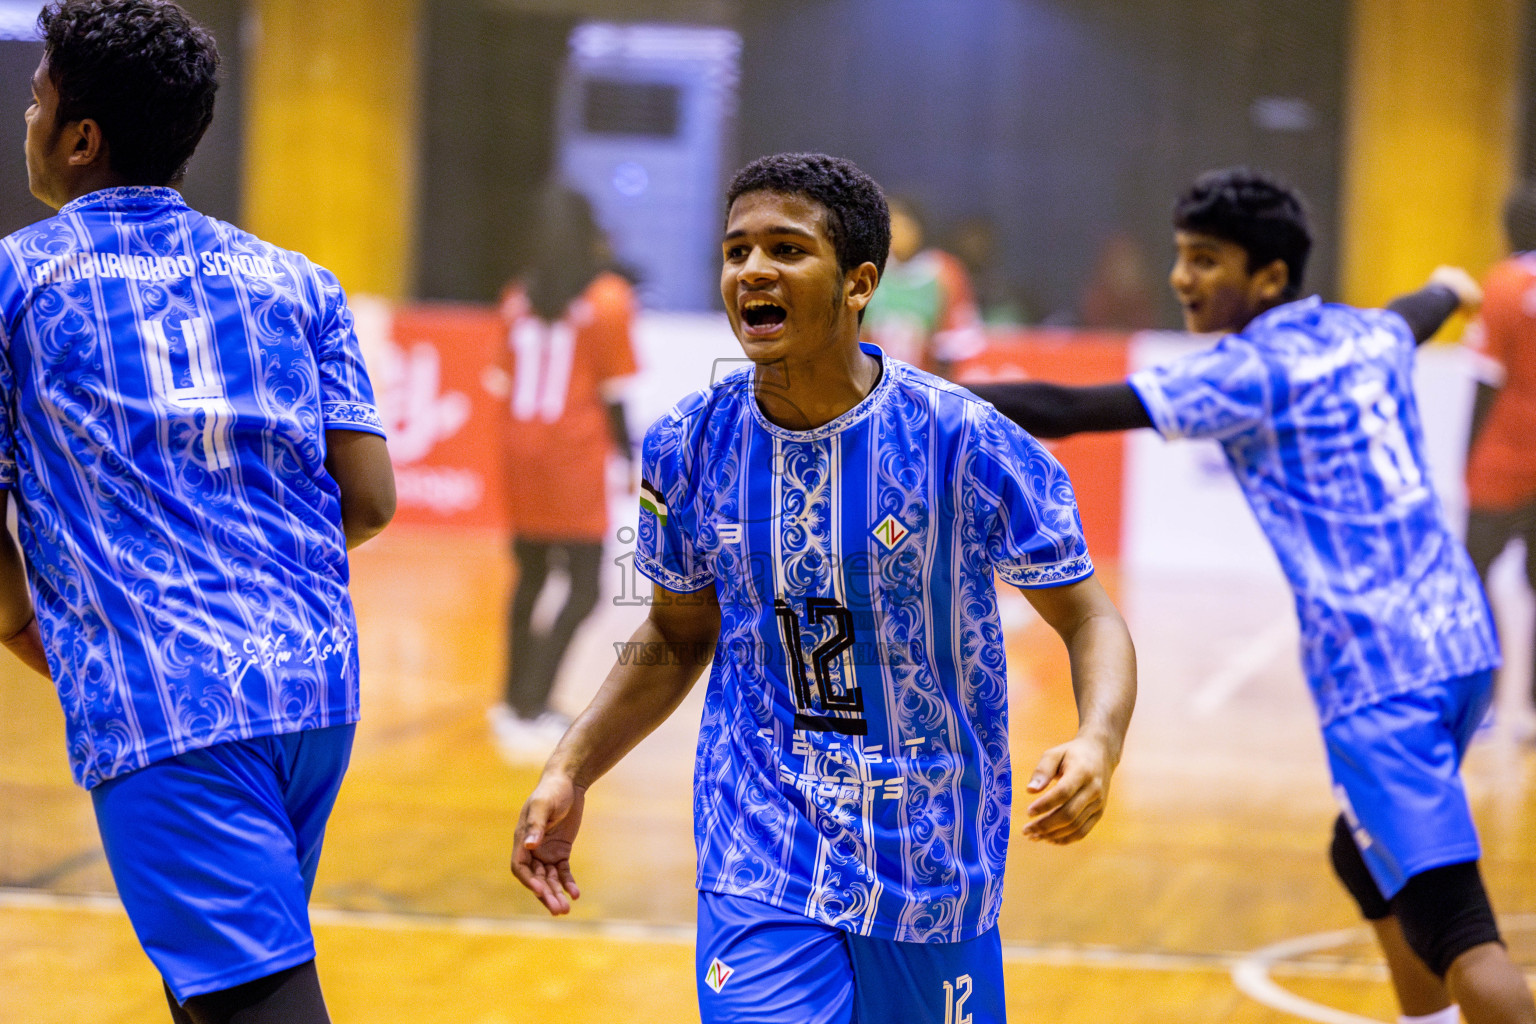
{"points": [[890, 532], [729, 533], [718, 974]]}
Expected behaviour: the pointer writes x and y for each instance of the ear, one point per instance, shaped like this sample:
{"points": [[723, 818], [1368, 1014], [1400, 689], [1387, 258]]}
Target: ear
{"points": [[88, 145], [859, 286], [1270, 281]]}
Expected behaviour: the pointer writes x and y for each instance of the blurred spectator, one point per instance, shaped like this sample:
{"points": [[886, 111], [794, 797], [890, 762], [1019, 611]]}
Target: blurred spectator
{"points": [[1120, 295], [568, 355], [1501, 465], [923, 312], [974, 242]]}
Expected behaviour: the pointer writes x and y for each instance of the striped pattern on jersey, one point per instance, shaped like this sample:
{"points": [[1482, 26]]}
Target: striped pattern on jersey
{"points": [[1313, 404], [853, 758], [167, 381]]}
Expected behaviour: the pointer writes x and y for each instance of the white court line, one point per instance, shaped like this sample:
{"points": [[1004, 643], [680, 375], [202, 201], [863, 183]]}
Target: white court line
{"points": [[1251, 973], [1234, 673], [1251, 976]]}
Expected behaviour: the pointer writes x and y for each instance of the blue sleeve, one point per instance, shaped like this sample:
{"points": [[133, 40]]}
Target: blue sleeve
{"points": [[1216, 393], [346, 393], [665, 551], [1028, 513], [12, 296]]}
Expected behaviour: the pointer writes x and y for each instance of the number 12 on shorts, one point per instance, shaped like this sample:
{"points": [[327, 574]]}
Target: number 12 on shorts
{"points": [[955, 996]]}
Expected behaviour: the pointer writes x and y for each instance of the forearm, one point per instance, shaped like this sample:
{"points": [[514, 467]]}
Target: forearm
{"points": [[1057, 410], [1103, 663], [1426, 309], [652, 676], [19, 631]]}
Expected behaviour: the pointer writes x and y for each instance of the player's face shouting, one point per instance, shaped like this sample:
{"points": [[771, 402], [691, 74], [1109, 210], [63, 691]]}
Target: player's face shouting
{"points": [[780, 281], [1211, 279]]}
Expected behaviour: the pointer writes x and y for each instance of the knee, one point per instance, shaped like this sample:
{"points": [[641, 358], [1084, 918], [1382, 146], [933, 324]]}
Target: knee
{"points": [[1444, 912], [1351, 869]]}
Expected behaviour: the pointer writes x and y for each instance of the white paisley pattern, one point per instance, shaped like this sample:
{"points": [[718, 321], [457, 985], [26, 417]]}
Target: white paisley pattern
{"points": [[853, 755], [167, 383], [1314, 406]]}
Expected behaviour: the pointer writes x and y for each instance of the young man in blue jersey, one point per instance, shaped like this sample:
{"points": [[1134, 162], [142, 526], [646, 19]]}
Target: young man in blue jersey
{"points": [[1313, 404], [188, 434], [826, 529]]}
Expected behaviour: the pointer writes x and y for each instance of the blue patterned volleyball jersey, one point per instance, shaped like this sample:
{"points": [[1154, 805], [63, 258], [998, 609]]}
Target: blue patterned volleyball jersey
{"points": [[166, 381], [853, 755], [1313, 404]]}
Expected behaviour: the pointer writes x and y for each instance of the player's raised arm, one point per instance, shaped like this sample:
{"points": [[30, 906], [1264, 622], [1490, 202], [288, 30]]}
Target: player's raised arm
{"points": [[1056, 410], [1072, 779], [654, 672], [1448, 290]]}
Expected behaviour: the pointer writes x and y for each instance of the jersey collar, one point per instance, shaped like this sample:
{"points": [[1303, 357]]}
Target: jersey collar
{"points": [[1285, 311], [853, 416], [125, 196]]}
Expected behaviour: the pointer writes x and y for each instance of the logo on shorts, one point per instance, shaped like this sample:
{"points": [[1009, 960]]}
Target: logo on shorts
{"points": [[890, 532], [718, 974]]}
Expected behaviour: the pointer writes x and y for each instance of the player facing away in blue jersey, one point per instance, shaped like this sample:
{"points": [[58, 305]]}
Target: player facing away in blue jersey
{"points": [[1313, 404], [825, 529], [189, 437]]}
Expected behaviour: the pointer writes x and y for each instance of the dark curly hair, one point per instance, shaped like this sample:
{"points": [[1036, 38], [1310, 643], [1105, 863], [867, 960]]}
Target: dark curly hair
{"points": [[857, 216], [141, 69], [1254, 210]]}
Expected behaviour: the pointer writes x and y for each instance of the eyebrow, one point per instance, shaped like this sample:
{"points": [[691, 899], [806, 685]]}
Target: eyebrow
{"points": [[776, 230]]}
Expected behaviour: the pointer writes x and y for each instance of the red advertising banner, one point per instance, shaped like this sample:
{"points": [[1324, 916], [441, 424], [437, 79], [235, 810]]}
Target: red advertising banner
{"points": [[1095, 462], [427, 364]]}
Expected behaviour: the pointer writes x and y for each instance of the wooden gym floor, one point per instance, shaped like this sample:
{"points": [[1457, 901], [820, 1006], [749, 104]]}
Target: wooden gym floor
{"points": [[1203, 896]]}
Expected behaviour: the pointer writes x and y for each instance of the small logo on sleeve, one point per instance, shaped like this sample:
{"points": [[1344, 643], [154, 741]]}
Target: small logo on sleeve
{"points": [[651, 501], [729, 533], [718, 974], [890, 532]]}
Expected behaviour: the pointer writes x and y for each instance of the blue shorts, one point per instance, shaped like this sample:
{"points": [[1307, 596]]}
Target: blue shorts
{"points": [[1397, 776], [763, 965], [214, 854]]}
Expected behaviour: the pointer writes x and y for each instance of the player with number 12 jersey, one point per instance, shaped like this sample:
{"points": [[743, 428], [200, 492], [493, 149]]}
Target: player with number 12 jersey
{"points": [[853, 763]]}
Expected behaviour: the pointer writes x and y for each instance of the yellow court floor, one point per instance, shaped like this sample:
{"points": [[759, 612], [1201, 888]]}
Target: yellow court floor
{"points": [[1204, 895]]}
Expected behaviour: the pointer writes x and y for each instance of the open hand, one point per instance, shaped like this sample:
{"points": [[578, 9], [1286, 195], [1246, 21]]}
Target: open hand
{"points": [[541, 851]]}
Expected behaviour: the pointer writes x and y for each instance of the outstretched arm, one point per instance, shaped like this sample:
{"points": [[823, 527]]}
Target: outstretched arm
{"points": [[1056, 410], [1447, 290], [1072, 779], [656, 669]]}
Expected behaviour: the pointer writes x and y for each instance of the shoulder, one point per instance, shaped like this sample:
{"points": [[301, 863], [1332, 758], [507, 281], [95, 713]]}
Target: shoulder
{"points": [[694, 412], [959, 412], [1509, 282], [608, 300]]}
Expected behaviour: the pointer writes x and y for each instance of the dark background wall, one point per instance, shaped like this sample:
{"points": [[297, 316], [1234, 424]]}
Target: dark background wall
{"points": [[490, 76], [213, 178], [1063, 121]]}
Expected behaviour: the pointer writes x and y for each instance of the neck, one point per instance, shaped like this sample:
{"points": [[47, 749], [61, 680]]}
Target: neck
{"points": [[85, 184], [803, 394]]}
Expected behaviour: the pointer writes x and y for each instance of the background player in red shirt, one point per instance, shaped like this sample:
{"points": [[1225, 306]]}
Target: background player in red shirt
{"points": [[1501, 467], [566, 357]]}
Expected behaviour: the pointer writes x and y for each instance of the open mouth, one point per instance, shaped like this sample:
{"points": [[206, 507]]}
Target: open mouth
{"points": [[760, 315]]}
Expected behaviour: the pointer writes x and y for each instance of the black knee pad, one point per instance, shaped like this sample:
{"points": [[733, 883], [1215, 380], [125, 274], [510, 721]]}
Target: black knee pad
{"points": [[1351, 869], [1444, 912]]}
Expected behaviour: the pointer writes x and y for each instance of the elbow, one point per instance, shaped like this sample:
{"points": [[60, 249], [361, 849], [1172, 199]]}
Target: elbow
{"points": [[364, 521]]}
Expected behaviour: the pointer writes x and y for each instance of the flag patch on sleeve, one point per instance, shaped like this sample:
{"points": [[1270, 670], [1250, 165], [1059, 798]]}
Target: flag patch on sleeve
{"points": [[651, 501]]}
